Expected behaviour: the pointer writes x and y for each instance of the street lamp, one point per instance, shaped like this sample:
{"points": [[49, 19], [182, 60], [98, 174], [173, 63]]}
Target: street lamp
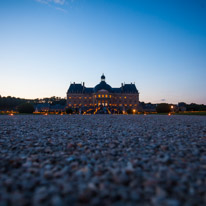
{"points": [[172, 108]]}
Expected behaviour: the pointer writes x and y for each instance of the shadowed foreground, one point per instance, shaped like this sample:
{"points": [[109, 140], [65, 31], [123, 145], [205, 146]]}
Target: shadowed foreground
{"points": [[102, 160]]}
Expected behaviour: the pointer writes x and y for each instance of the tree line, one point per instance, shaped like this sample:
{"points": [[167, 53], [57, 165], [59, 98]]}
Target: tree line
{"points": [[11, 103]]}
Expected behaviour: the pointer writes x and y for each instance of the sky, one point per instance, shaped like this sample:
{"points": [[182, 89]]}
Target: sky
{"points": [[158, 44]]}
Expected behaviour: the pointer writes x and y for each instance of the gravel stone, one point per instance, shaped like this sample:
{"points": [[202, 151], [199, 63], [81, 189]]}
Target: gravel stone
{"points": [[102, 160]]}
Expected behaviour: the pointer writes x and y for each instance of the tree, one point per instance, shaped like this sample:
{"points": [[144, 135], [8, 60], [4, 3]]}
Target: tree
{"points": [[26, 108], [163, 108]]}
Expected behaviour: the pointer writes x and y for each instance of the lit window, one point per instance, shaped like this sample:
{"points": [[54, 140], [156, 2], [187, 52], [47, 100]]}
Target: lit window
{"points": [[102, 95], [99, 95], [106, 95], [85, 97], [120, 97], [79, 97], [125, 97], [69, 97], [95, 96], [110, 96]]}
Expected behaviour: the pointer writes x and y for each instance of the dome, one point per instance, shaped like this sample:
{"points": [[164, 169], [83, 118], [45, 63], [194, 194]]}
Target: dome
{"points": [[102, 85], [103, 77]]}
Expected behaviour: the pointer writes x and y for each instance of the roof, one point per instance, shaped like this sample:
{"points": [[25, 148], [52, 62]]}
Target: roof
{"points": [[75, 88], [125, 88], [102, 85], [88, 90], [129, 88], [117, 90]]}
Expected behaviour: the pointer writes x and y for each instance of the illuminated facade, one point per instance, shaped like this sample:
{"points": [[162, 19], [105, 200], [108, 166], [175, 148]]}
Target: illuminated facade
{"points": [[103, 95]]}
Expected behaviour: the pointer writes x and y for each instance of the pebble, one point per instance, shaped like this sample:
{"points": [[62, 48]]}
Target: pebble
{"points": [[102, 160]]}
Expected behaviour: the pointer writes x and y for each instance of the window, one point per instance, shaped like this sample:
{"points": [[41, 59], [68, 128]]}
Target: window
{"points": [[79, 97], [99, 95], [103, 96], [106, 95], [125, 97], [110, 96]]}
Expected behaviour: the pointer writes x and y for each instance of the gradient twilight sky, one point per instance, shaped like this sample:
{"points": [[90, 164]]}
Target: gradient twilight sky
{"points": [[158, 44]]}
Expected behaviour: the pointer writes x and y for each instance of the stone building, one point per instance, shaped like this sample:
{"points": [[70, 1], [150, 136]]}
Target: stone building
{"points": [[103, 96]]}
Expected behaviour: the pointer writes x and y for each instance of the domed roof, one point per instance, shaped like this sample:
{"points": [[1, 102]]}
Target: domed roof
{"points": [[102, 77], [102, 85]]}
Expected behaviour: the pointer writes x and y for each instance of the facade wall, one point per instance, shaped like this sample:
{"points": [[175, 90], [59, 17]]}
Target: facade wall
{"points": [[104, 98]]}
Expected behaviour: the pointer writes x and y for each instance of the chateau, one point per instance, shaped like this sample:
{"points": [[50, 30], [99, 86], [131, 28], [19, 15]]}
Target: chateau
{"points": [[103, 98]]}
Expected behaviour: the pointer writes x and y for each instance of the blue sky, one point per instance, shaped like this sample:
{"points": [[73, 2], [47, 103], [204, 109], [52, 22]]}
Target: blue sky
{"points": [[158, 44]]}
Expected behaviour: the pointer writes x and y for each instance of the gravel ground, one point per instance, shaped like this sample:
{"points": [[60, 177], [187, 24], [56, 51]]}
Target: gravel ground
{"points": [[102, 160]]}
